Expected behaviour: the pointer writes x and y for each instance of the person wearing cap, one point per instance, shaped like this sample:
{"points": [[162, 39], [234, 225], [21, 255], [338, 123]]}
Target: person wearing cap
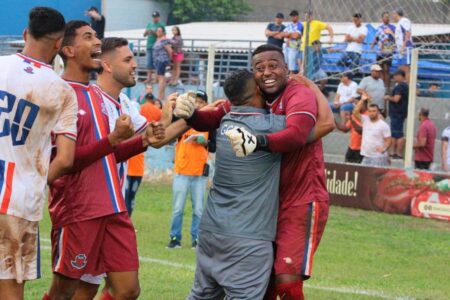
{"points": [[293, 34], [373, 86], [191, 158], [385, 39], [150, 33], [403, 40], [315, 29], [274, 31], [97, 21], [355, 36], [398, 110]]}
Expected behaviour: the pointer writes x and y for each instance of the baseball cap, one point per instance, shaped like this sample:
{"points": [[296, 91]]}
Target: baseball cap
{"points": [[155, 14], [293, 13], [279, 15], [202, 94], [375, 68]]}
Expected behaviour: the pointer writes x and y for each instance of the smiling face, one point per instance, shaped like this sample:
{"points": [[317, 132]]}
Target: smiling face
{"points": [[270, 72], [122, 66], [159, 32], [86, 48]]}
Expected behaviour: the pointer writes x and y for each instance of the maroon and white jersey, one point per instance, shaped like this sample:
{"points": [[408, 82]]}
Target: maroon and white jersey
{"points": [[34, 102]]}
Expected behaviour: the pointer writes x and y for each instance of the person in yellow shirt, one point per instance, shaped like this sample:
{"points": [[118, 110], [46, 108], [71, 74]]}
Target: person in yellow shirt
{"points": [[315, 29], [191, 157]]}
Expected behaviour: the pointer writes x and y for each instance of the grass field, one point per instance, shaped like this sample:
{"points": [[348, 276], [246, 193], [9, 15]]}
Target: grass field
{"points": [[363, 255]]}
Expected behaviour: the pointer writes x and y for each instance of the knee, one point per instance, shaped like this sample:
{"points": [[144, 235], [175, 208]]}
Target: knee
{"points": [[129, 293]]}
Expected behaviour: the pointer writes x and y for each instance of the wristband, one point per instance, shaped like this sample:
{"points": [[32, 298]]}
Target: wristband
{"points": [[262, 143]]}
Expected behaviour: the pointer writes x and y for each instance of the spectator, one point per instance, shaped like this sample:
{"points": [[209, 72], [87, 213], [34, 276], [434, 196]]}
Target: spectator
{"points": [[177, 56], [148, 92], [432, 91], [355, 37], [315, 29], [162, 54], [318, 74], [398, 110], [374, 87], [97, 21], [385, 38], [293, 33], [136, 164], [190, 161], [445, 150], [353, 154], [424, 144], [150, 33], [345, 96], [403, 40], [376, 135], [274, 31]]}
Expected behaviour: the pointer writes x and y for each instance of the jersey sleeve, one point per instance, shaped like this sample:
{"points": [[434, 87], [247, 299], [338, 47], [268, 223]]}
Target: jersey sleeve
{"points": [[406, 25], [322, 25], [446, 135], [386, 131], [362, 85], [301, 100], [67, 121]]}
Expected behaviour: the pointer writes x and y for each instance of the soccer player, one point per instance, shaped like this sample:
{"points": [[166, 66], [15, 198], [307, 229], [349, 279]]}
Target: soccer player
{"points": [[86, 207], [303, 207], [235, 253], [28, 115]]}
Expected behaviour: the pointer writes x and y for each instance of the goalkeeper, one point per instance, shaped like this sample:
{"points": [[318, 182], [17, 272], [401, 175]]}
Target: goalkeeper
{"points": [[238, 226]]}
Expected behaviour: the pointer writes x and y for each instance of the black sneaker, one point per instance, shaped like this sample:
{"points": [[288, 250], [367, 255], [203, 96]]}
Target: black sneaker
{"points": [[194, 244], [174, 243]]}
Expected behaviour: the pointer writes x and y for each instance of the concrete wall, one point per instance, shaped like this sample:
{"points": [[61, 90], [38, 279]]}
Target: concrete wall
{"points": [[14, 13], [131, 14], [419, 11]]}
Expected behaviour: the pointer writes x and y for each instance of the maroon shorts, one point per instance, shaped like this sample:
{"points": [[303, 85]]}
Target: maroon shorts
{"points": [[101, 245], [299, 231]]}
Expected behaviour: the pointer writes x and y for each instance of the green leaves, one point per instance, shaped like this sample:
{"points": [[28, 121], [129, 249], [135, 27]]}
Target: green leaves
{"points": [[208, 10]]}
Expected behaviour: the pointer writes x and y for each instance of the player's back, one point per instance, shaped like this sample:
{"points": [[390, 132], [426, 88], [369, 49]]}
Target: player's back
{"points": [[243, 200], [32, 100]]}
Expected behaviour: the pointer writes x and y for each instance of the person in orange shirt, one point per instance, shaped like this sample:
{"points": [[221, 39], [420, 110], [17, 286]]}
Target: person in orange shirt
{"points": [[191, 157], [136, 164], [353, 125]]}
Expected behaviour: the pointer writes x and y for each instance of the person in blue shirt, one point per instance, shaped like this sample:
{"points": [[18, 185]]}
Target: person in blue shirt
{"points": [[274, 31], [385, 39]]}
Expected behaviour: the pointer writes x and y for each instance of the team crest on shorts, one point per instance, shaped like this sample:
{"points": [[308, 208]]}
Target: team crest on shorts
{"points": [[29, 70], [79, 262]]}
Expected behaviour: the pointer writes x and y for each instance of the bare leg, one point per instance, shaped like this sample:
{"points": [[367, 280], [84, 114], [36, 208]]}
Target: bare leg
{"points": [[393, 147], [124, 285], [62, 287], [85, 291], [10, 289], [161, 86], [400, 145]]}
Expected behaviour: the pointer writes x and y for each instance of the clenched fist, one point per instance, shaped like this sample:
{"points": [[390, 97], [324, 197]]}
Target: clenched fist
{"points": [[185, 105], [154, 133], [123, 130], [242, 141]]}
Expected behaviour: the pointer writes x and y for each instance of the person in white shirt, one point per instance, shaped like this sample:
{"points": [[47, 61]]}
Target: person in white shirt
{"points": [[445, 150], [355, 37], [376, 135], [36, 107], [345, 97], [403, 40]]}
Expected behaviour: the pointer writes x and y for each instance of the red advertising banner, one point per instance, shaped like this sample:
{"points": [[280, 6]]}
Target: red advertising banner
{"points": [[400, 191]]}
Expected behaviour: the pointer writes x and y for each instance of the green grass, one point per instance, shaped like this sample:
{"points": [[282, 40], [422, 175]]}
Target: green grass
{"points": [[368, 253]]}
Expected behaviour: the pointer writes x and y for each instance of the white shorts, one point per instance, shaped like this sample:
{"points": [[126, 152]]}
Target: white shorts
{"points": [[19, 249]]}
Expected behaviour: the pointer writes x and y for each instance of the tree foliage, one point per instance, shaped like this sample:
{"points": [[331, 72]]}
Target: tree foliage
{"points": [[184, 11]]}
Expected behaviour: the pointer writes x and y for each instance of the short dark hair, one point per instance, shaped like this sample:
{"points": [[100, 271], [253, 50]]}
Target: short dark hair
{"points": [[294, 13], [399, 12], [45, 20], [149, 97], [357, 15], [400, 72], [236, 86], [374, 105], [267, 47], [69, 35], [424, 112], [111, 43], [347, 74], [93, 8]]}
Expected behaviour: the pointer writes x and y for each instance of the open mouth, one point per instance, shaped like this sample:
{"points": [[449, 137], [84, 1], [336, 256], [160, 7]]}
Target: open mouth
{"points": [[96, 55], [269, 82]]}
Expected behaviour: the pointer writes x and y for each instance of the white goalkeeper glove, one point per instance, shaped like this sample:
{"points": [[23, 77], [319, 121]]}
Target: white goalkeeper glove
{"points": [[185, 106], [242, 141]]}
